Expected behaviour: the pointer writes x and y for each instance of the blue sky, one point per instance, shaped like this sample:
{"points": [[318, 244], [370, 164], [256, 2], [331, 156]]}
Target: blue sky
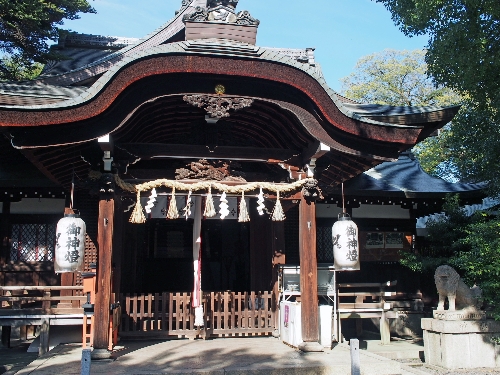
{"points": [[342, 31]]}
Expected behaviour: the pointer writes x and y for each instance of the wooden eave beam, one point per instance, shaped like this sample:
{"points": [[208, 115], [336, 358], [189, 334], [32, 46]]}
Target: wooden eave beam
{"points": [[41, 167], [158, 151], [314, 151]]}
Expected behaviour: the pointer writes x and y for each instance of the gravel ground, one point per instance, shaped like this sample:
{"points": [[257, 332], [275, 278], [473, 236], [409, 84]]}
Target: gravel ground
{"points": [[422, 367], [476, 371]]}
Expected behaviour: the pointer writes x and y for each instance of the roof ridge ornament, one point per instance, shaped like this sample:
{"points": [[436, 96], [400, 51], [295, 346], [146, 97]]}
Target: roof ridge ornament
{"points": [[225, 3], [200, 14], [244, 18], [221, 11]]}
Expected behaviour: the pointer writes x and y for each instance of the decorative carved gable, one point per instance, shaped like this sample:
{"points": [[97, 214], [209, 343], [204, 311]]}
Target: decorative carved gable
{"points": [[213, 170]]}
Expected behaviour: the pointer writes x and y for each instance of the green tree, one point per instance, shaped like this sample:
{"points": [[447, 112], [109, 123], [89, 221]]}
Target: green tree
{"points": [[443, 240], [464, 41], [400, 78], [395, 78], [471, 244], [20, 70], [480, 263], [463, 53], [27, 27]]}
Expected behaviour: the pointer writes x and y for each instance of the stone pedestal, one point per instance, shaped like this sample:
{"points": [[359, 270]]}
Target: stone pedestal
{"points": [[311, 347], [100, 354], [461, 339]]}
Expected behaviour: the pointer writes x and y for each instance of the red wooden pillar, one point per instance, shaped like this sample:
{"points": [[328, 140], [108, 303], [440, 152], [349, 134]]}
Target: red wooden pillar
{"points": [[308, 277], [104, 277], [117, 249]]}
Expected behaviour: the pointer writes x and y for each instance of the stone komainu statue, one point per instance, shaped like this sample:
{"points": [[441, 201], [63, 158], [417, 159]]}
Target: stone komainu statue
{"points": [[449, 284]]}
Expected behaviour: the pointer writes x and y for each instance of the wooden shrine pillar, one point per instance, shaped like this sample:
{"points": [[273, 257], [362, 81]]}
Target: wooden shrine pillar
{"points": [[117, 248], [104, 270], [308, 277]]}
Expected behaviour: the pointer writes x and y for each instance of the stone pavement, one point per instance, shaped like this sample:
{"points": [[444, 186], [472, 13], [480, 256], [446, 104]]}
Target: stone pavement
{"points": [[229, 356]]}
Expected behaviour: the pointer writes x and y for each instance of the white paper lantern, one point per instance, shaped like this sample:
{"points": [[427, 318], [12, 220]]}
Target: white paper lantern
{"points": [[70, 244], [345, 244]]}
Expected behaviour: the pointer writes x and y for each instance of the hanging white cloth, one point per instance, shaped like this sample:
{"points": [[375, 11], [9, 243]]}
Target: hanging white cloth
{"points": [[197, 298]]}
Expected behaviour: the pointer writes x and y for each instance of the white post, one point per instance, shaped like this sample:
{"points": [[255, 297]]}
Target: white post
{"points": [[197, 298], [355, 364], [86, 361]]}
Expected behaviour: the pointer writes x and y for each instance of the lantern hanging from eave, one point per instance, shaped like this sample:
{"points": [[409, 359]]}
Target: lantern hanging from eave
{"points": [[345, 244], [70, 244]]}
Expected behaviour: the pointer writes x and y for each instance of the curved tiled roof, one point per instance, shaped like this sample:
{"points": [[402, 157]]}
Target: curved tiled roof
{"points": [[126, 89], [395, 114], [29, 94], [101, 65], [406, 176], [486, 204], [74, 59], [215, 48]]}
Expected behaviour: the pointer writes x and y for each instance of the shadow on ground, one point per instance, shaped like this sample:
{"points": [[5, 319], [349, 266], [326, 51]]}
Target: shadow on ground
{"points": [[15, 358]]}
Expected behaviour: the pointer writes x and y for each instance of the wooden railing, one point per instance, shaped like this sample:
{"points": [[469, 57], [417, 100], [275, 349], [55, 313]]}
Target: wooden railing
{"points": [[365, 300], [40, 300], [171, 314]]}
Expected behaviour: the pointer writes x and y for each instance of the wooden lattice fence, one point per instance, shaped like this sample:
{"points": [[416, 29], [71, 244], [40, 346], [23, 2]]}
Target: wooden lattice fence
{"points": [[226, 314]]}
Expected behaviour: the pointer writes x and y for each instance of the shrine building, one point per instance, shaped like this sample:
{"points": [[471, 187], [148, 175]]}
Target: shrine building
{"points": [[201, 164]]}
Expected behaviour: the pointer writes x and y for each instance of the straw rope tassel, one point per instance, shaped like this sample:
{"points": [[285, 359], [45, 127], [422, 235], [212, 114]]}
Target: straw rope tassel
{"points": [[209, 205], [278, 214], [173, 212], [243, 216], [137, 216]]}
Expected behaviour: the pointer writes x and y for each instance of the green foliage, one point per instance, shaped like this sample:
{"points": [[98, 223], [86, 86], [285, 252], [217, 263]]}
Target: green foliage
{"points": [[419, 263], [475, 144], [26, 27], [463, 53], [464, 40], [470, 147], [17, 69], [481, 262], [400, 78], [469, 243], [443, 240], [435, 155], [495, 340], [395, 78]]}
